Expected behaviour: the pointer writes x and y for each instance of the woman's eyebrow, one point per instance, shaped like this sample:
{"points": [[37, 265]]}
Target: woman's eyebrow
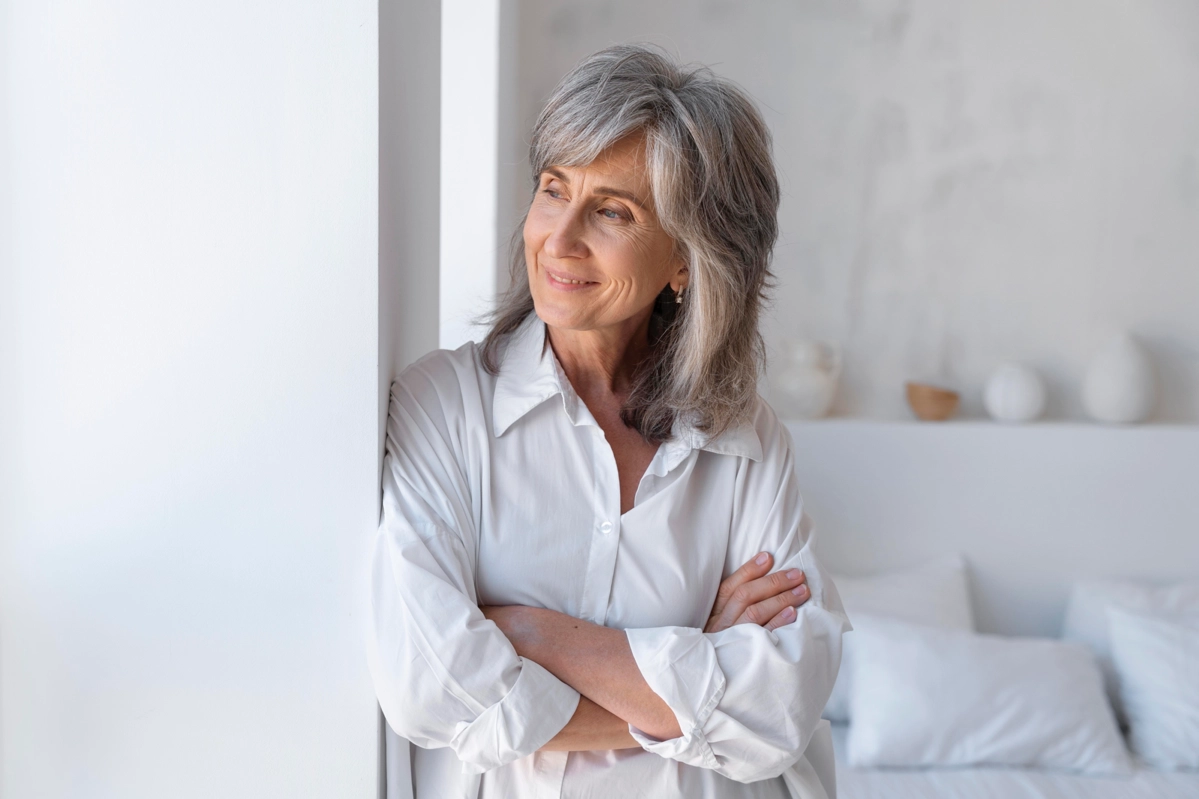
{"points": [[606, 190]]}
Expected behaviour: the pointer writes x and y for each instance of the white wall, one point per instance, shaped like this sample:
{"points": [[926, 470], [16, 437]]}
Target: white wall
{"points": [[1031, 507], [409, 191], [963, 182], [191, 375], [409, 180], [513, 185], [470, 62]]}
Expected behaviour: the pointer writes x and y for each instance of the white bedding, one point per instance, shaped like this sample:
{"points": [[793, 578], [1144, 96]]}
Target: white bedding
{"points": [[1003, 783]]}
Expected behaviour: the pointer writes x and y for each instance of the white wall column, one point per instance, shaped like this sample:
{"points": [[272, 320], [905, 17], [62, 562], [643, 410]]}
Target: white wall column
{"points": [[470, 64], [409, 273], [190, 379]]}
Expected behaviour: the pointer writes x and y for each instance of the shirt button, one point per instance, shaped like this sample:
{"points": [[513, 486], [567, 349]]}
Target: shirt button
{"points": [[606, 528]]}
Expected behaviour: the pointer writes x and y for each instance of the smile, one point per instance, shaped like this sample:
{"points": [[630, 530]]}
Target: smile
{"points": [[561, 281]]}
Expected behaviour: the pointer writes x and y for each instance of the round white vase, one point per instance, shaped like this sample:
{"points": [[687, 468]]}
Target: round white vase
{"points": [[806, 379], [1120, 387], [1014, 393]]}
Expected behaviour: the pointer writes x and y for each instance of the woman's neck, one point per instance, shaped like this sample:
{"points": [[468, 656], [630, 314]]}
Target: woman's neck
{"points": [[604, 361]]}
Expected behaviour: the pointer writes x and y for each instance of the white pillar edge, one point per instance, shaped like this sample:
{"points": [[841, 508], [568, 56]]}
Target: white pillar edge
{"points": [[470, 36]]}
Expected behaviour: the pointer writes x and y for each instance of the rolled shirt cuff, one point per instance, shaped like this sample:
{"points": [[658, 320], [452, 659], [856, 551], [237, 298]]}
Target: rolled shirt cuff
{"points": [[680, 666], [536, 709]]}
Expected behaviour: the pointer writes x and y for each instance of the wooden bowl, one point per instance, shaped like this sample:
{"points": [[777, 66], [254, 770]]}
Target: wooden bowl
{"points": [[931, 403]]}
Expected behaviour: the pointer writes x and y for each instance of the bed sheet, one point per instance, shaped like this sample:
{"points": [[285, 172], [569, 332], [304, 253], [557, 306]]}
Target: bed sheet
{"points": [[1003, 783]]}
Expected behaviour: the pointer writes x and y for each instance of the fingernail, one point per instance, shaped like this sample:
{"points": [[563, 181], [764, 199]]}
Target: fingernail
{"points": [[799, 590], [788, 613], [761, 559], [794, 574]]}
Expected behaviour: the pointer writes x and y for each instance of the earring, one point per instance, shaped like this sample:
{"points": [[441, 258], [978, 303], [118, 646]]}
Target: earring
{"points": [[678, 297]]}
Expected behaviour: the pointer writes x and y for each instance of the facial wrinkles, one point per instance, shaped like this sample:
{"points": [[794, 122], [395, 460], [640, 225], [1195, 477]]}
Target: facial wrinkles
{"points": [[581, 224], [633, 270], [639, 229], [630, 255], [614, 171]]}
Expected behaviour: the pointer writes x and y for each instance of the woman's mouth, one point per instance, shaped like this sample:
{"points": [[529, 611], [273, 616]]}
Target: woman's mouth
{"points": [[567, 283]]}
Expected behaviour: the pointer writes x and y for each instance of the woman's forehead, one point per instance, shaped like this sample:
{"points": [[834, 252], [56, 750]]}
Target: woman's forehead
{"points": [[623, 166], [625, 156]]}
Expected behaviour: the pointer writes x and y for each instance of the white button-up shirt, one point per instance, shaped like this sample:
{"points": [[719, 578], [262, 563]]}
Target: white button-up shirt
{"points": [[503, 490]]}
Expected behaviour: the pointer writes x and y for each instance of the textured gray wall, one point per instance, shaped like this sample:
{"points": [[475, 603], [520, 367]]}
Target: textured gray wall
{"points": [[964, 183]]}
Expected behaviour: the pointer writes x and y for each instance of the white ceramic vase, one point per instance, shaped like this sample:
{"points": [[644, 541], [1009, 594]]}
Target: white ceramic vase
{"points": [[806, 379], [1014, 393], [1120, 386]]}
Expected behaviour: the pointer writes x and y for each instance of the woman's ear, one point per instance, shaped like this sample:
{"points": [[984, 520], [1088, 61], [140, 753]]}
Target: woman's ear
{"points": [[680, 279]]}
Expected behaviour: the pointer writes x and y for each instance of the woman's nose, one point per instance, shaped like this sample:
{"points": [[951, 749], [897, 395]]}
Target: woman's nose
{"points": [[566, 238]]}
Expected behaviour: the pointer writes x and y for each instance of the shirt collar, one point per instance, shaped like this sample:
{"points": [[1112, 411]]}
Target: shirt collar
{"points": [[530, 375]]}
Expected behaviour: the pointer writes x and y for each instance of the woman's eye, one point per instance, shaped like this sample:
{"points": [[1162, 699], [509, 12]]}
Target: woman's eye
{"points": [[610, 214], [552, 193]]}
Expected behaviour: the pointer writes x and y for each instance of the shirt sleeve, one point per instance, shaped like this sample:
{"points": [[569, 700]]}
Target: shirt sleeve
{"points": [[747, 699], [444, 674]]}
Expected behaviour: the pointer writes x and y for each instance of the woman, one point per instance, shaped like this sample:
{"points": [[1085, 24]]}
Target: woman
{"points": [[594, 576]]}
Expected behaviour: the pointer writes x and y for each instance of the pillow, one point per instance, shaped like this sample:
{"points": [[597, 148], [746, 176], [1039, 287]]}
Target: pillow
{"points": [[926, 696], [1086, 616], [935, 593], [1157, 662]]}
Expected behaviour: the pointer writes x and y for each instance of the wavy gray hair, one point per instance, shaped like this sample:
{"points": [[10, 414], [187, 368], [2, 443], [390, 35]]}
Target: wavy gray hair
{"points": [[715, 193]]}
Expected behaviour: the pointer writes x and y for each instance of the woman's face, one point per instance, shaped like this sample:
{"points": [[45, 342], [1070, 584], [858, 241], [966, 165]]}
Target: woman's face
{"points": [[596, 255]]}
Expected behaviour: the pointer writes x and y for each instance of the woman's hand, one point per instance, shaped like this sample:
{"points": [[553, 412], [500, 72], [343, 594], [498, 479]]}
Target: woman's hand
{"points": [[752, 596]]}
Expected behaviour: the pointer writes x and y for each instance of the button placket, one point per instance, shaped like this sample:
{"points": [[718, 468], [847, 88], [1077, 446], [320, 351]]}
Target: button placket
{"points": [[609, 527], [601, 564]]}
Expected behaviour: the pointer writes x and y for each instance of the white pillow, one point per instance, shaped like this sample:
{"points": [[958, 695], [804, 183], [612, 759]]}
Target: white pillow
{"points": [[1086, 616], [925, 696], [935, 594], [1157, 661]]}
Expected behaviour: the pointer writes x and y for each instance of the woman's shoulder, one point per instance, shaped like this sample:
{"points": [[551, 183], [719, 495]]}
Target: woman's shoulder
{"points": [[443, 382], [760, 438], [772, 432]]}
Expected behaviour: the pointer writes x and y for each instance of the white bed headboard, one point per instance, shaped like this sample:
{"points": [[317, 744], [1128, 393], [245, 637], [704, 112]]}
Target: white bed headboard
{"points": [[1032, 507]]}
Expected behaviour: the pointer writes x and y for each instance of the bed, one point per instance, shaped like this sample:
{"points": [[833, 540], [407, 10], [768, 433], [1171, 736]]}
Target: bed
{"points": [[1004, 783], [1033, 510]]}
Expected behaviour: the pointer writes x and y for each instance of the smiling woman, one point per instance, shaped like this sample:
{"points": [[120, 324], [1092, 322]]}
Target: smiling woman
{"points": [[696, 149], [594, 574]]}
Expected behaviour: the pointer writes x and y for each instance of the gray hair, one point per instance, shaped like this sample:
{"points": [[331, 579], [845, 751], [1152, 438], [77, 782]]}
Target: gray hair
{"points": [[716, 194]]}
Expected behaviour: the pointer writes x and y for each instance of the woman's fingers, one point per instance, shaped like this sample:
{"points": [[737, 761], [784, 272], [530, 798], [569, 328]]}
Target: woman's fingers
{"points": [[746, 596], [784, 616], [777, 610], [753, 568]]}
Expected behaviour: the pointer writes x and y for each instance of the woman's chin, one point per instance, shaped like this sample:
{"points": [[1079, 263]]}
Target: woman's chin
{"points": [[563, 316]]}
